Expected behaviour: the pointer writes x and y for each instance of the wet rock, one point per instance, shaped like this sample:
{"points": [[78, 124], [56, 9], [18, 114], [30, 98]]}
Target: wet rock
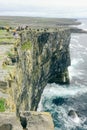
{"points": [[74, 116], [72, 113]]}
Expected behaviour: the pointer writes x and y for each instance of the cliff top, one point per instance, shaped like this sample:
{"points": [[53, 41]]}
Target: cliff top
{"points": [[37, 24], [36, 21]]}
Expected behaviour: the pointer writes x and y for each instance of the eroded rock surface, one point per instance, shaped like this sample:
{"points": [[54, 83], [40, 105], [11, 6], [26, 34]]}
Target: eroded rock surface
{"points": [[26, 121], [9, 121], [37, 120]]}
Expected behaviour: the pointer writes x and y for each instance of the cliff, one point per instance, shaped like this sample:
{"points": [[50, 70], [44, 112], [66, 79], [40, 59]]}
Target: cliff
{"points": [[17, 59], [43, 58], [27, 63]]}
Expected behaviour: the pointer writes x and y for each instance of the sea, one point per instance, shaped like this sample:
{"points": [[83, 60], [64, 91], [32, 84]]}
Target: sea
{"points": [[60, 99]]}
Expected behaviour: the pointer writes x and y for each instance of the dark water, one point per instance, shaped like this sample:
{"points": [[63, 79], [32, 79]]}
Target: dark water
{"points": [[59, 100]]}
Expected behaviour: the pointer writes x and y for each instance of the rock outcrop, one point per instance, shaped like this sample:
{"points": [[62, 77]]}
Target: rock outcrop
{"points": [[43, 57], [26, 121], [9, 121], [36, 121]]}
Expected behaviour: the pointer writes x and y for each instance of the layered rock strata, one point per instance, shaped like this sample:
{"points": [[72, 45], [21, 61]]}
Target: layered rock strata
{"points": [[44, 58]]}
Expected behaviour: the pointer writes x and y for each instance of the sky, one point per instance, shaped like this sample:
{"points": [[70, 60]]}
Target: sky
{"points": [[44, 8]]}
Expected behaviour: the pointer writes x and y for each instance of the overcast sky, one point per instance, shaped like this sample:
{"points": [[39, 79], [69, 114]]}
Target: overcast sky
{"points": [[44, 8]]}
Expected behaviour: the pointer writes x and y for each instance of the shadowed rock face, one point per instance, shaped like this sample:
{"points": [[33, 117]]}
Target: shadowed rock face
{"points": [[43, 58], [23, 122]]}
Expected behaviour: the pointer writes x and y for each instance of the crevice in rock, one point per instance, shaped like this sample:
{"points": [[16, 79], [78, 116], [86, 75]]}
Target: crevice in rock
{"points": [[23, 121]]}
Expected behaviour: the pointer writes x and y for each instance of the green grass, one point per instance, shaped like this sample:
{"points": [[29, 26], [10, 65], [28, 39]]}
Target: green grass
{"points": [[26, 45], [2, 104], [6, 37], [10, 54], [2, 32], [7, 40], [5, 33]]}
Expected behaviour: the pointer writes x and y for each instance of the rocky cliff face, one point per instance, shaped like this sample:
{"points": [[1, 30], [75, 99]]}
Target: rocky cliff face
{"points": [[43, 57]]}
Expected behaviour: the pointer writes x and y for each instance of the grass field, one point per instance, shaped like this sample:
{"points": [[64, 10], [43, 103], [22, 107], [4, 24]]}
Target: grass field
{"points": [[6, 37], [2, 104]]}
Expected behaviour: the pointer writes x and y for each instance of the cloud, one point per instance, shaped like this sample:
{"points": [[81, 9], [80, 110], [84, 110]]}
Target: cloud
{"points": [[43, 3], [50, 8]]}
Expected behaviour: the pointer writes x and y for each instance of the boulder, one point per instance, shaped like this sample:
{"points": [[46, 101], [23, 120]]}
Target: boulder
{"points": [[32, 120], [36, 120], [9, 121], [72, 113], [74, 116]]}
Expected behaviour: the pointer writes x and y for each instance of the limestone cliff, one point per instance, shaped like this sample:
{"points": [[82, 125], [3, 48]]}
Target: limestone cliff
{"points": [[43, 57], [27, 63]]}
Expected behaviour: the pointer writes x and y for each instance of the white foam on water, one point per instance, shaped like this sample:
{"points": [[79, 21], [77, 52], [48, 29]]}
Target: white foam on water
{"points": [[83, 26], [74, 61], [62, 91], [76, 119], [80, 46], [74, 40], [52, 91], [76, 46], [85, 53], [73, 46], [73, 71], [55, 90], [67, 122], [75, 36], [75, 43]]}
